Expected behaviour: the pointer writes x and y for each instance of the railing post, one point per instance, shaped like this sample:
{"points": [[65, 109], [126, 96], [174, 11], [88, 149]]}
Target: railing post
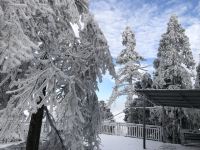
{"points": [[161, 133], [144, 125], [163, 125], [117, 129]]}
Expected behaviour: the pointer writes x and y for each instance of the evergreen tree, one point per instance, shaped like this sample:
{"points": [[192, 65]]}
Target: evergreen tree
{"points": [[129, 61], [132, 113], [174, 58], [106, 114], [173, 65], [62, 73]]}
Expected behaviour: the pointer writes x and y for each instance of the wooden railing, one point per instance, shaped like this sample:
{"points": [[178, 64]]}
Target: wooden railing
{"points": [[111, 128], [132, 130]]}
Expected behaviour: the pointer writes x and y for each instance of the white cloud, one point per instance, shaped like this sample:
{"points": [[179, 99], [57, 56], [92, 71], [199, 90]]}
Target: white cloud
{"points": [[193, 32], [148, 23]]}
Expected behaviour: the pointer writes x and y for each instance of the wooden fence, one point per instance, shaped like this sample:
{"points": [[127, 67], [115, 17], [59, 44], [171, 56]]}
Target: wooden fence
{"points": [[132, 130]]}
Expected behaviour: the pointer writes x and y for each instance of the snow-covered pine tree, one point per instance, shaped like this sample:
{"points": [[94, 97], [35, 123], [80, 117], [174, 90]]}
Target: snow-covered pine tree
{"points": [[97, 60], [129, 61], [63, 72], [174, 59], [173, 65], [21, 14]]}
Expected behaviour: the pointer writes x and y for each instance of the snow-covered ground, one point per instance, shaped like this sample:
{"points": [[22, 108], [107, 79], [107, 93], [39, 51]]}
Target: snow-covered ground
{"points": [[110, 142]]}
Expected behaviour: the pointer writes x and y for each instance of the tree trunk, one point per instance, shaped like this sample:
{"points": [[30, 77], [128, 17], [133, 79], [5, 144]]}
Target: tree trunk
{"points": [[33, 138]]}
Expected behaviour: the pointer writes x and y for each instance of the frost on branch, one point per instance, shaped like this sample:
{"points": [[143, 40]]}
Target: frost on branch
{"points": [[15, 46], [175, 60], [128, 73]]}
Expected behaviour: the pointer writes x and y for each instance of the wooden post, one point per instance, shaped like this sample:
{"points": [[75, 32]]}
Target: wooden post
{"points": [[174, 128], [144, 125], [180, 118], [180, 125], [163, 125]]}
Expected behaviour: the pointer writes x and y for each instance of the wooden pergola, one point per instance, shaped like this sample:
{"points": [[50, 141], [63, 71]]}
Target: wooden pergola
{"points": [[185, 98]]}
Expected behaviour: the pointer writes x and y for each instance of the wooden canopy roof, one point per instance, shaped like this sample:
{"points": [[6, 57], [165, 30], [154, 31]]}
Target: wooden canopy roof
{"points": [[174, 98]]}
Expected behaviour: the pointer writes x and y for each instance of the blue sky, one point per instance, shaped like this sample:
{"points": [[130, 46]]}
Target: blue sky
{"points": [[148, 19]]}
